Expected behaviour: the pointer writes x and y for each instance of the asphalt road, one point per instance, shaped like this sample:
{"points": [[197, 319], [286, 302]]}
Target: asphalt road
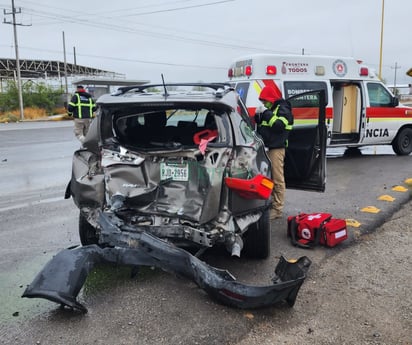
{"points": [[155, 307]]}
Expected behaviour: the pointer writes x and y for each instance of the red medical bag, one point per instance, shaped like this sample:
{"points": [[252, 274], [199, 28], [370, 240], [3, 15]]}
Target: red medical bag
{"points": [[307, 230]]}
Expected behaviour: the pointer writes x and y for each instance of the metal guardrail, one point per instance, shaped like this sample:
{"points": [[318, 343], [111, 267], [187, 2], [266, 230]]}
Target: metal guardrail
{"points": [[404, 98]]}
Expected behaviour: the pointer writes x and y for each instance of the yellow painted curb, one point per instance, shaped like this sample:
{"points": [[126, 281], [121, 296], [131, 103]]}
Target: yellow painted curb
{"points": [[57, 118], [370, 209], [353, 222], [386, 198], [400, 189]]}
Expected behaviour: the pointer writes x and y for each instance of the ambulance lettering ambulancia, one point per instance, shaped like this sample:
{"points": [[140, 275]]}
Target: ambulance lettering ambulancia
{"points": [[377, 132]]}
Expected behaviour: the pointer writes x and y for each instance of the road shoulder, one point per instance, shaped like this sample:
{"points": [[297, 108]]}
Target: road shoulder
{"points": [[359, 296]]}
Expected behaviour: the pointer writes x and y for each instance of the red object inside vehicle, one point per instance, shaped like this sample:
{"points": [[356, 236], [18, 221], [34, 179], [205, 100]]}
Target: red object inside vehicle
{"points": [[205, 134], [258, 187]]}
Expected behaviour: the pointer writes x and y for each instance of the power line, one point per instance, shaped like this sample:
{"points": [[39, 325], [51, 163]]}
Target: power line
{"points": [[81, 15], [168, 36], [120, 28], [129, 60], [176, 9], [105, 23]]}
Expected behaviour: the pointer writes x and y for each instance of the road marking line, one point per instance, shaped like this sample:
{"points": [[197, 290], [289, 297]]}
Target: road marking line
{"points": [[353, 222], [32, 203], [386, 198], [370, 209], [400, 189]]}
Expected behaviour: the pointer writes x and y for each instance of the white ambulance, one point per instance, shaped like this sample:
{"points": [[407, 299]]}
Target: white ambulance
{"points": [[360, 108]]}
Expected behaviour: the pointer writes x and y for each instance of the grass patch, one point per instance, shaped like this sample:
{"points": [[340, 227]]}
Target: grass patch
{"points": [[30, 114]]}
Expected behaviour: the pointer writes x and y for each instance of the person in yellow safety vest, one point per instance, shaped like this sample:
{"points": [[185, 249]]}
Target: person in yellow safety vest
{"points": [[81, 107], [274, 125]]}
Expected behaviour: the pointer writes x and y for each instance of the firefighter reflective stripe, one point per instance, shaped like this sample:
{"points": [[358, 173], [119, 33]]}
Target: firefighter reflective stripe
{"points": [[274, 118], [79, 106]]}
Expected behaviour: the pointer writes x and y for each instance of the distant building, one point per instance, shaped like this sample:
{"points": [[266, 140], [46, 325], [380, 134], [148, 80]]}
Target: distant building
{"points": [[400, 89], [54, 72], [99, 86], [48, 69]]}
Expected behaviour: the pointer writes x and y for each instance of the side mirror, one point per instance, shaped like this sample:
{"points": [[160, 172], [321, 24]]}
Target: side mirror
{"points": [[395, 101]]}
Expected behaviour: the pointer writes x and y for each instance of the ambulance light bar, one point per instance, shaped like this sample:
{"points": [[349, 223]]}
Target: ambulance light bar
{"points": [[320, 70], [244, 68], [271, 70], [364, 72], [240, 71]]}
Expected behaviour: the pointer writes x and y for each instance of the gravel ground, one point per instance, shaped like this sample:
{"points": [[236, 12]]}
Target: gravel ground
{"points": [[361, 295]]}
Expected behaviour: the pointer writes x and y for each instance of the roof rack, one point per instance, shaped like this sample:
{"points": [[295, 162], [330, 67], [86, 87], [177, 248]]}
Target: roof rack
{"points": [[141, 88]]}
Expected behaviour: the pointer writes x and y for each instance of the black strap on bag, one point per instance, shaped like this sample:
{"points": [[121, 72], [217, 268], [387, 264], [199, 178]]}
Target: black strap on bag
{"points": [[293, 233], [294, 230]]}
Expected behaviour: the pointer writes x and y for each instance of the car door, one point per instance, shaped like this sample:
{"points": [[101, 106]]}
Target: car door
{"points": [[305, 160]]}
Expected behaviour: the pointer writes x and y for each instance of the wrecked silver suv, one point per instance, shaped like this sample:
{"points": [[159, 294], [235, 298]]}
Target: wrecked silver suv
{"points": [[167, 171]]}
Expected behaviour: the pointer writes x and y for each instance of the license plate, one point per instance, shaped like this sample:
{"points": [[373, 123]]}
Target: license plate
{"points": [[174, 172]]}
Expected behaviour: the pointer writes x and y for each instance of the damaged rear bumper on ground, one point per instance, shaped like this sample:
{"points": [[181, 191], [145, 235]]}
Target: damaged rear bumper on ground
{"points": [[63, 276]]}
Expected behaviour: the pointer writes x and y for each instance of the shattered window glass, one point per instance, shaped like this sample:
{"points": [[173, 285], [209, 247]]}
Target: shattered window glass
{"points": [[169, 128]]}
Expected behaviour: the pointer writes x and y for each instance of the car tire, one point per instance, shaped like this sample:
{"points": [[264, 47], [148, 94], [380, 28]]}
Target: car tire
{"points": [[257, 239], [402, 144], [87, 232]]}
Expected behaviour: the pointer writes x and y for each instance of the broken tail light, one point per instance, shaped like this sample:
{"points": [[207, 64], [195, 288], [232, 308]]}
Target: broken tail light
{"points": [[258, 187]]}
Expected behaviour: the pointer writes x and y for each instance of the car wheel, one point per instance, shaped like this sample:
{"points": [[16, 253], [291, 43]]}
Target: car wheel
{"points": [[257, 239], [87, 232], [402, 144]]}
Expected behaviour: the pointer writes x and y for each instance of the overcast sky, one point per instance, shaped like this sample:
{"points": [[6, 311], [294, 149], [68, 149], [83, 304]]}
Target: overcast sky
{"points": [[196, 40]]}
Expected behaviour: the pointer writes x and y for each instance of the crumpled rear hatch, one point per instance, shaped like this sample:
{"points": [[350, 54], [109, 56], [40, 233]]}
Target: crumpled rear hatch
{"points": [[171, 184], [168, 162]]}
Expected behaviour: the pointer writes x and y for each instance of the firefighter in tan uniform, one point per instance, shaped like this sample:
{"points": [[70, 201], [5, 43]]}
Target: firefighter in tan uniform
{"points": [[274, 125], [81, 107]]}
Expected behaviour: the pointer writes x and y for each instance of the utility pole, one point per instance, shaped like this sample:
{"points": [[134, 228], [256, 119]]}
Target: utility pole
{"points": [[65, 71], [13, 22], [74, 60], [381, 44], [394, 81]]}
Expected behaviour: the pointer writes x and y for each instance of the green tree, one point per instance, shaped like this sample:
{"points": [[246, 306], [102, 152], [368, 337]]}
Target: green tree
{"points": [[35, 95]]}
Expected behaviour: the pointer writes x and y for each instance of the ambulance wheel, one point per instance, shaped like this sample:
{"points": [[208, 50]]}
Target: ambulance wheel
{"points": [[402, 144], [87, 232], [257, 238]]}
